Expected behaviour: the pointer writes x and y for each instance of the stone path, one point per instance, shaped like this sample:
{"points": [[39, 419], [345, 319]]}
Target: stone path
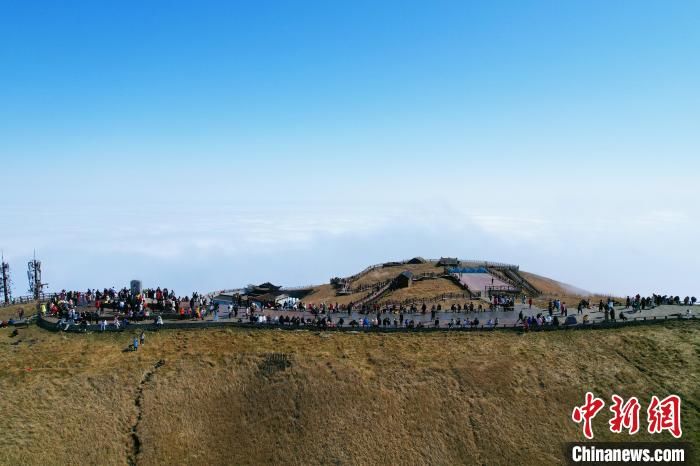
{"points": [[507, 318]]}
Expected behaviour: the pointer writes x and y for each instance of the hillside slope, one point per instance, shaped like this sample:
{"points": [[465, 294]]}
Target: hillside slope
{"points": [[219, 397], [550, 288]]}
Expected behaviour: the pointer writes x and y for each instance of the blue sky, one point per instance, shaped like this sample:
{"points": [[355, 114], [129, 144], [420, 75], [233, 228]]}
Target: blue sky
{"points": [[204, 145]]}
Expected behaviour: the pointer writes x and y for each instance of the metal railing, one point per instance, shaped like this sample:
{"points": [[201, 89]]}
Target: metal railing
{"points": [[52, 326], [296, 288], [28, 299], [431, 299]]}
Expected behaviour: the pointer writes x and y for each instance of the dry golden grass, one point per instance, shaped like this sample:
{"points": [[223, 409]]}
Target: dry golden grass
{"points": [[439, 398], [387, 273], [423, 289], [327, 294], [10, 312], [552, 289], [548, 286]]}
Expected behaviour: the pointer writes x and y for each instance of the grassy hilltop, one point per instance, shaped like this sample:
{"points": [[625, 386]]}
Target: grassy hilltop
{"points": [[429, 289], [235, 396], [217, 396]]}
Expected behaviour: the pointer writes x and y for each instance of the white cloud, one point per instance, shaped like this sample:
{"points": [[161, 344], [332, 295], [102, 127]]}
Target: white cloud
{"points": [[580, 239]]}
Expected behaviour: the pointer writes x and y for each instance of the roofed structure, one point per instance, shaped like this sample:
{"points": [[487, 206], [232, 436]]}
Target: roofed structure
{"points": [[391, 264], [448, 262], [417, 260], [264, 288], [269, 286], [404, 279]]}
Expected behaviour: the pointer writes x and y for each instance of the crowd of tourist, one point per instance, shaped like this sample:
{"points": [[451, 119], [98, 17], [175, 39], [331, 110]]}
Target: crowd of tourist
{"points": [[498, 303], [111, 309], [504, 301], [641, 303], [70, 308], [378, 321]]}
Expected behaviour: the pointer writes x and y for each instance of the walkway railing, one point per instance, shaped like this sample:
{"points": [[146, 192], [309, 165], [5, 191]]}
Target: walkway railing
{"points": [[296, 288], [375, 294], [191, 325], [430, 299], [28, 299]]}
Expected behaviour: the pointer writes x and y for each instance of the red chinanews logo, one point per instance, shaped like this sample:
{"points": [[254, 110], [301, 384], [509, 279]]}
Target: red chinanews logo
{"points": [[662, 415]]}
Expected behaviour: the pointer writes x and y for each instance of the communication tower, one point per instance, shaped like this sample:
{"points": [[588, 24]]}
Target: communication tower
{"points": [[5, 282], [36, 286]]}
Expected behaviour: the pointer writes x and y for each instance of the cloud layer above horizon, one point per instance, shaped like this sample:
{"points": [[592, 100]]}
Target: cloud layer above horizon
{"points": [[609, 248]]}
